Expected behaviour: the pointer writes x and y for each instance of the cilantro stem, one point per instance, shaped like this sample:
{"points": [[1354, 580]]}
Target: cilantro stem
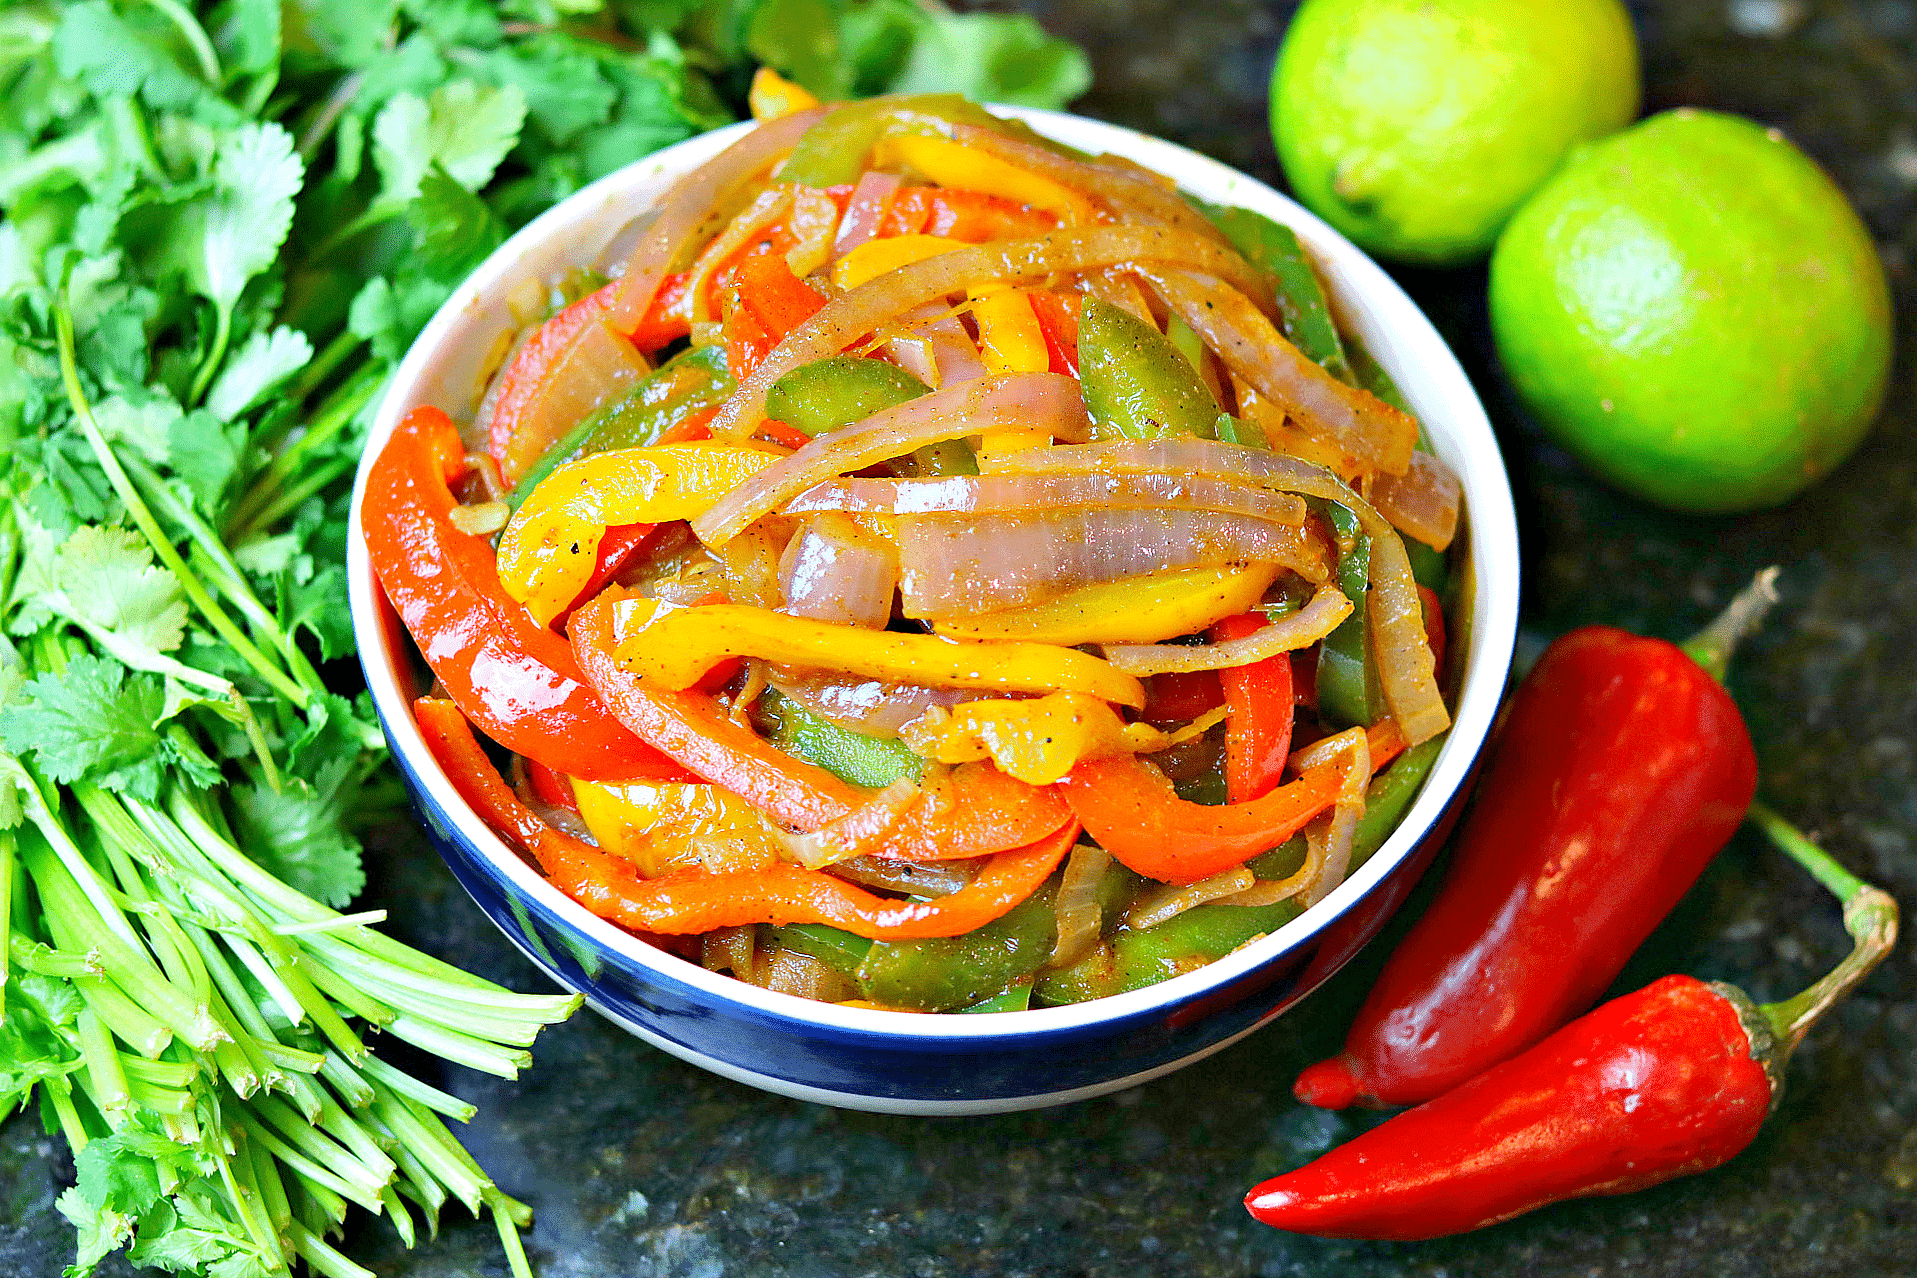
{"points": [[321, 366], [212, 554], [328, 925], [424, 1093], [196, 40], [6, 916], [222, 333], [508, 1234], [331, 417], [107, 1086], [150, 527], [323, 1257], [289, 500]]}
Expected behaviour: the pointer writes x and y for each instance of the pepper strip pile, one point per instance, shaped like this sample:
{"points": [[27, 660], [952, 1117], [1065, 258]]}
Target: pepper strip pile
{"points": [[690, 902]]}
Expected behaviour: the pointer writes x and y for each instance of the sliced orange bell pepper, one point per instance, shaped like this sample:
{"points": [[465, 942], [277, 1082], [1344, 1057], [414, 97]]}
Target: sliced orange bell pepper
{"points": [[694, 901], [763, 302], [972, 216], [976, 812], [518, 680], [1133, 812]]}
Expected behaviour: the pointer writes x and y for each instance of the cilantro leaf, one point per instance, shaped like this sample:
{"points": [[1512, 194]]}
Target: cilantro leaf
{"points": [[105, 577], [299, 833], [464, 127], [993, 58], [267, 359], [118, 1172], [233, 231], [206, 452], [91, 723], [456, 228], [121, 56]]}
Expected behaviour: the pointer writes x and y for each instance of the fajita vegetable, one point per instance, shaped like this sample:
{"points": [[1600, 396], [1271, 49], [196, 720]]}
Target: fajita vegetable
{"points": [[954, 452], [210, 257]]}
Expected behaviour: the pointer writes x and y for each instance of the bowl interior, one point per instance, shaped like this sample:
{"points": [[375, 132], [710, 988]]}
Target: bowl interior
{"points": [[444, 365]]}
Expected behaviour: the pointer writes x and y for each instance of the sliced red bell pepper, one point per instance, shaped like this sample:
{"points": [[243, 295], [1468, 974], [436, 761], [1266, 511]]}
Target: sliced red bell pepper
{"points": [[957, 214], [518, 681], [978, 812], [1433, 624], [1133, 812], [1182, 697], [551, 788], [668, 318], [780, 433], [531, 361], [696, 901], [763, 302], [1058, 321], [1258, 728]]}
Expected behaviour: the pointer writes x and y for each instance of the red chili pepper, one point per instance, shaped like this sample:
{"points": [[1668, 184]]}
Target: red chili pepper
{"points": [[1258, 728], [763, 302], [1673, 1079], [514, 678], [1623, 767]]}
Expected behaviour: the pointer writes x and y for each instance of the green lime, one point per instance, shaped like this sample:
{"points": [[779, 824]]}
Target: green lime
{"points": [[1417, 126], [1694, 309]]}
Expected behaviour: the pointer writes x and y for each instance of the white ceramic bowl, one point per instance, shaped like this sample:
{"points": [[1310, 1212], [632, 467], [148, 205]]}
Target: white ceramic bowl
{"points": [[898, 1062]]}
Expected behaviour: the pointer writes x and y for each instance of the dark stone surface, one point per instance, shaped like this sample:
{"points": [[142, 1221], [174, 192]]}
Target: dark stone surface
{"points": [[641, 1166]]}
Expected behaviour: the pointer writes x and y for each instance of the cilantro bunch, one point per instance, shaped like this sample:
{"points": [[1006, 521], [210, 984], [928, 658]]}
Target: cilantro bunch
{"points": [[223, 223]]}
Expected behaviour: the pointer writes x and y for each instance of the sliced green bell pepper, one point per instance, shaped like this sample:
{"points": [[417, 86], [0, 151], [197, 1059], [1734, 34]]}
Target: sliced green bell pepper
{"points": [[1348, 691], [840, 951], [1133, 960], [874, 762], [1137, 385], [1303, 309], [834, 392], [958, 971], [836, 149], [696, 379]]}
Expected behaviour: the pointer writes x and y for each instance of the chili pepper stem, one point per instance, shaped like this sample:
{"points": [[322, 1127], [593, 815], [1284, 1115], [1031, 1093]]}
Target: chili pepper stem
{"points": [[1715, 645], [1870, 916]]}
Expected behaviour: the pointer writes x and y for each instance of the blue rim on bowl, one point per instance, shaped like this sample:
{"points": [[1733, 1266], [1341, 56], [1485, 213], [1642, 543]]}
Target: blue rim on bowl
{"points": [[895, 1061]]}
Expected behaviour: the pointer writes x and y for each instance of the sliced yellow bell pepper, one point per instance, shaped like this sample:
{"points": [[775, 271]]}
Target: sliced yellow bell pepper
{"points": [[1134, 610], [875, 257], [951, 163], [673, 647], [772, 95], [547, 552], [1037, 742], [1009, 337], [659, 825]]}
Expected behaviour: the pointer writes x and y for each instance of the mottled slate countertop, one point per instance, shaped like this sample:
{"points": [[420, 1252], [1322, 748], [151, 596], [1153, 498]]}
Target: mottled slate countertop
{"points": [[639, 1165]]}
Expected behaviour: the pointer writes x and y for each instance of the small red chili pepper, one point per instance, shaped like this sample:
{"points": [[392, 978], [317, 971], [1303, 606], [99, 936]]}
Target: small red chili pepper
{"points": [[1622, 769], [1258, 728], [1673, 1079]]}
